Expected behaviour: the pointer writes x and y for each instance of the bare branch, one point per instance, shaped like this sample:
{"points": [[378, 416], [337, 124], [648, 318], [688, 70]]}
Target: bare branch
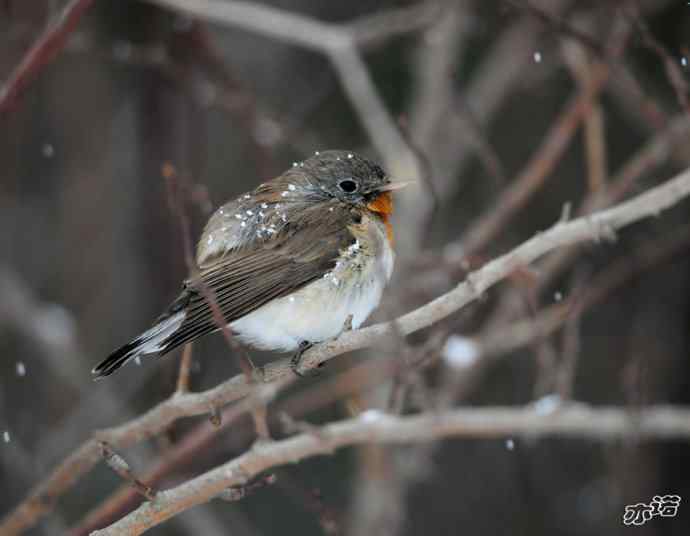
{"points": [[237, 493], [118, 464], [497, 75], [559, 25], [42, 52], [570, 421], [185, 369], [592, 227], [580, 65], [674, 74], [372, 29], [177, 207], [537, 168]]}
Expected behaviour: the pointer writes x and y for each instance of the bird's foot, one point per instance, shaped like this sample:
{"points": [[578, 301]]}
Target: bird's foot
{"points": [[296, 360]]}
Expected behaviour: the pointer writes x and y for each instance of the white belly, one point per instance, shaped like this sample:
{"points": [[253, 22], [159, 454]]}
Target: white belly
{"points": [[318, 311]]}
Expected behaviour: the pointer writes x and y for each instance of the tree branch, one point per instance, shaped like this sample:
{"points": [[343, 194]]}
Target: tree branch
{"points": [[42, 52], [592, 227], [571, 421]]}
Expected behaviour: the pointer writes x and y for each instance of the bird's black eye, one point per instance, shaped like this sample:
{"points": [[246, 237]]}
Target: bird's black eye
{"points": [[348, 186]]}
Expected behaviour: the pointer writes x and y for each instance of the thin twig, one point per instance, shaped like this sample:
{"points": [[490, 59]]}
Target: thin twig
{"points": [[372, 29], [595, 139], [653, 154], [497, 76], [185, 369], [259, 414], [674, 73], [42, 52], [118, 464], [177, 206], [233, 96], [565, 375], [544, 160], [237, 493], [560, 25], [537, 168], [501, 339], [180, 455], [486, 153], [494, 81]]}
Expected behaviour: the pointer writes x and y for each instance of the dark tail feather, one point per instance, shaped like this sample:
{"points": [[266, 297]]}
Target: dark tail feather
{"points": [[152, 341], [118, 358]]}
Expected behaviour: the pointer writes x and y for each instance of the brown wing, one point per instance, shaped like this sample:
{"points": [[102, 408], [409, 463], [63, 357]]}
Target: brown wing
{"points": [[249, 277]]}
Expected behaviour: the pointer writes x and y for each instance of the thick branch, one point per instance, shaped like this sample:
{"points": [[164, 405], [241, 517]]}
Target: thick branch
{"points": [[571, 421]]}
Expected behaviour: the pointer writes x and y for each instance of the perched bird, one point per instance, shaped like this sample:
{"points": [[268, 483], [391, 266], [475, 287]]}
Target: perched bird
{"points": [[287, 264]]}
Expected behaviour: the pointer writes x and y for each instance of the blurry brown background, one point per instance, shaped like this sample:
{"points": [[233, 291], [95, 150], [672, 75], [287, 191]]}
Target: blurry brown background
{"points": [[90, 252]]}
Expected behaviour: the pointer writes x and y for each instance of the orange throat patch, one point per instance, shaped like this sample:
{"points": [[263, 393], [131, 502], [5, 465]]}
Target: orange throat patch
{"points": [[383, 206]]}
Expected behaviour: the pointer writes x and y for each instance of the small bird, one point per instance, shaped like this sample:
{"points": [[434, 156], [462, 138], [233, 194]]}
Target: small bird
{"points": [[288, 264]]}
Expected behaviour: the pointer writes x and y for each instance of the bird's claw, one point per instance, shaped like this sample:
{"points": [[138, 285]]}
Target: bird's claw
{"points": [[296, 361]]}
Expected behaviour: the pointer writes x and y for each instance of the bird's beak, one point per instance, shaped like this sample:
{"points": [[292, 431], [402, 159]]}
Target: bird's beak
{"points": [[394, 186]]}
